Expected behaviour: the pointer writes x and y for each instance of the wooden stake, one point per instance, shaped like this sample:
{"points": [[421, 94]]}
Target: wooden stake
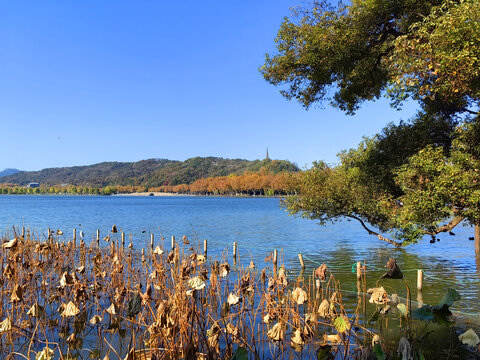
{"points": [[23, 231], [98, 237], [359, 269], [234, 249], [275, 258], [419, 279], [123, 239], [173, 242], [302, 264], [74, 234], [205, 247], [151, 243]]}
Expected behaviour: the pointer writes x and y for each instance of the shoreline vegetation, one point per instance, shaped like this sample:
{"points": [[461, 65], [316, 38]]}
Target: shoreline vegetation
{"points": [[248, 184], [67, 299]]}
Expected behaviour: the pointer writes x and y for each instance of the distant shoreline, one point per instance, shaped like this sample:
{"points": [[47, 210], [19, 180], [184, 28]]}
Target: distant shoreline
{"points": [[155, 193]]}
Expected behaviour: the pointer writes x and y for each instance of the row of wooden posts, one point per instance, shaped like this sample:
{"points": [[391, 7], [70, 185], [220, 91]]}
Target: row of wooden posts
{"points": [[274, 258]]}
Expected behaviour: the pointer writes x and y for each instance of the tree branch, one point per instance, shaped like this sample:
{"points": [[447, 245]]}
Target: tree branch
{"points": [[447, 227], [371, 232]]}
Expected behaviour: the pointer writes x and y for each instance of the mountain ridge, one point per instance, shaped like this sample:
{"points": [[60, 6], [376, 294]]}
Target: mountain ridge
{"points": [[149, 172]]}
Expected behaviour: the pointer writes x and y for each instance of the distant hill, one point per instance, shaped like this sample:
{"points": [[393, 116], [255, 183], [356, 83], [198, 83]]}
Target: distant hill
{"points": [[8, 172], [152, 172]]}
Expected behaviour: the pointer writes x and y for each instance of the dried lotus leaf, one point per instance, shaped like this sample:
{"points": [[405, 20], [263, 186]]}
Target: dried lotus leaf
{"points": [[36, 310], [299, 296], [469, 338], [276, 333], [70, 310], [95, 320], [297, 338], [10, 244], [158, 251], [5, 326], [233, 299], [196, 283]]}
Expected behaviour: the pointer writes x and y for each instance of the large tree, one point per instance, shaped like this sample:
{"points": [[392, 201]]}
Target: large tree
{"points": [[425, 50]]}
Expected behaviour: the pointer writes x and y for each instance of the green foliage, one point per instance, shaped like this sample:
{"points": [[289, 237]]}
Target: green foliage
{"points": [[324, 49], [147, 173], [439, 313]]}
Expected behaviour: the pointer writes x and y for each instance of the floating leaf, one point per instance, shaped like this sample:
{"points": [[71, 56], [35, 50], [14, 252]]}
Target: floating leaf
{"points": [[341, 323], [134, 305], [377, 349], [196, 283], [70, 310], [324, 352], [299, 296], [5, 326], [469, 338], [402, 308], [45, 354], [448, 298], [240, 354]]}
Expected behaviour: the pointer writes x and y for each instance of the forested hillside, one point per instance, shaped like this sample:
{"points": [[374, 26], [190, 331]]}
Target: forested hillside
{"points": [[149, 173]]}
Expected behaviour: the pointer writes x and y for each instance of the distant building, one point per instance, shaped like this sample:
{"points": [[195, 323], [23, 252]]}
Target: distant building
{"points": [[33, 185]]}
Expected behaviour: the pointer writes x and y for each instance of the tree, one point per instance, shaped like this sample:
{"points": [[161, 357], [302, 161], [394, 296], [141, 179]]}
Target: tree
{"points": [[425, 50]]}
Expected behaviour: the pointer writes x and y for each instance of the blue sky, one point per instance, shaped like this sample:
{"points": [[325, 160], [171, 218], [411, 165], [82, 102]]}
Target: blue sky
{"points": [[88, 81]]}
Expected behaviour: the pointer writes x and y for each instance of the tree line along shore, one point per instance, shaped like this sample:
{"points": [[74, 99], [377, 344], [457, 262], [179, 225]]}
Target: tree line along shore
{"points": [[247, 184]]}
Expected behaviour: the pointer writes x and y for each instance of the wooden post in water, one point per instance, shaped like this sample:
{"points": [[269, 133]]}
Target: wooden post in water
{"points": [[205, 247], [234, 249], [74, 238], [419, 279], [359, 270], [173, 242], [48, 233], [23, 231], [151, 243], [302, 264], [275, 260], [98, 237], [123, 239]]}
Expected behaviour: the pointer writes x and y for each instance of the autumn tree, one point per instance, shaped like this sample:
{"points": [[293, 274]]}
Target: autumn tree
{"points": [[359, 51]]}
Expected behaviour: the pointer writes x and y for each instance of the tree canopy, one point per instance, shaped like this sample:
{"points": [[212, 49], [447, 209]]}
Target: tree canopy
{"points": [[415, 178]]}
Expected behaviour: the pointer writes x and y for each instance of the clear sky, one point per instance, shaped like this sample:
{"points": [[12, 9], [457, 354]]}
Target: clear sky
{"points": [[83, 82]]}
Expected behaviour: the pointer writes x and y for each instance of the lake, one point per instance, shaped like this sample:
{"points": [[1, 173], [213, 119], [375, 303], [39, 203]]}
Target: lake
{"points": [[260, 225]]}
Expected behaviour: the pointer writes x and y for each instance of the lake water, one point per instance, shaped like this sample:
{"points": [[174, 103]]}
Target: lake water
{"points": [[259, 225]]}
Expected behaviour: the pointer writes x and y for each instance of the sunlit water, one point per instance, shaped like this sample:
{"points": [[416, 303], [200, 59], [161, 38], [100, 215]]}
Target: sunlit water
{"points": [[260, 225]]}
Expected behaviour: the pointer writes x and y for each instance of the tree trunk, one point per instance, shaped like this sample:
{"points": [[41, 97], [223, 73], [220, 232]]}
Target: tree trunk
{"points": [[477, 238]]}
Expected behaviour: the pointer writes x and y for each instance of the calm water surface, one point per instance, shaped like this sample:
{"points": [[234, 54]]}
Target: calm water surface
{"points": [[259, 225]]}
